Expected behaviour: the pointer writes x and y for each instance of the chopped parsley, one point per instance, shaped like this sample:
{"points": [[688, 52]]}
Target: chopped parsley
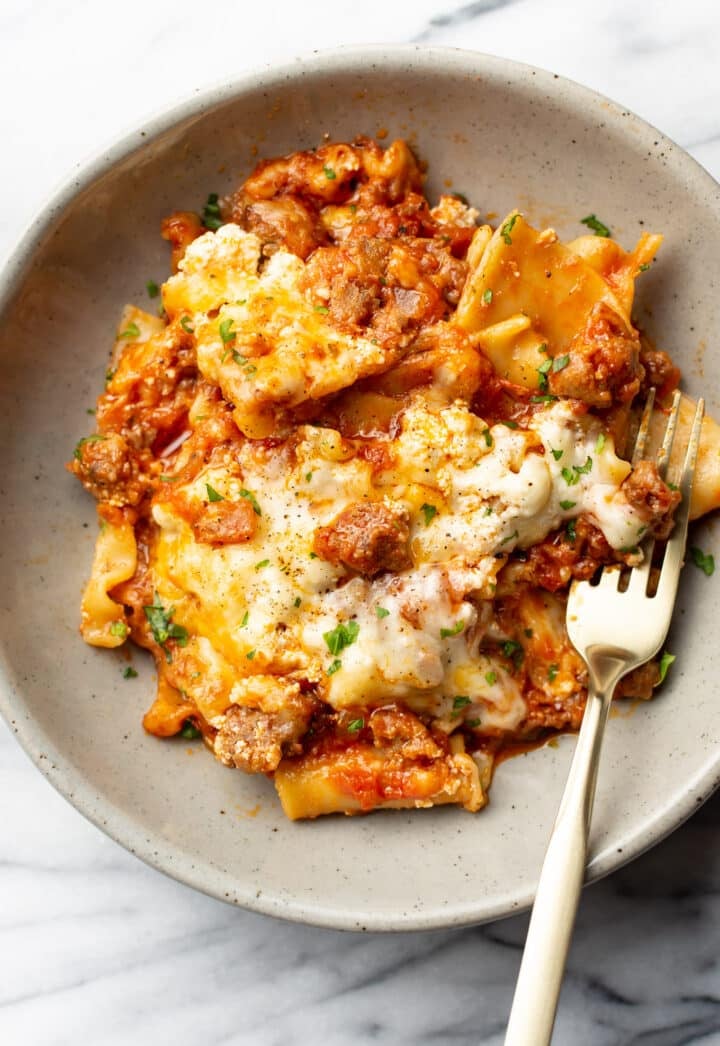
{"points": [[119, 628], [487, 296], [557, 454], [552, 673], [567, 505], [226, 330], [308, 477], [322, 309], [152, 289], [570, 477], [429, 512], [262, 563], [644, 267], [329, 174], [334, 667], [473, 723], [600, 443], [189, 731], [491, 678], [211, 213], [382, 612], [213, 494], [594, 223], [543, 373], [510, 537], [445, 633], [164, 628], [514, 651], [239, 358], [704, 561], [95, 438], [250, 654], [460, 702], [356, 725], [246, 618], [547, 398], [583, 470], [131, 331], [185, 324], [249, 496], [507, 228], [560, 363], [510, 424], [665, 661], [129, 673], [488, 438], [297, 602], [570, 530], [342, 636]]}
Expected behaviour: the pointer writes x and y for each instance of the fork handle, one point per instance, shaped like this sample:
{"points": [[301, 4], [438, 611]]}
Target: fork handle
{"points": [[563, 872]]}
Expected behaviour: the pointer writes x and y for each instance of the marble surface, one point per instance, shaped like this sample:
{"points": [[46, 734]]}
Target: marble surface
{"points": [[96, 947]]}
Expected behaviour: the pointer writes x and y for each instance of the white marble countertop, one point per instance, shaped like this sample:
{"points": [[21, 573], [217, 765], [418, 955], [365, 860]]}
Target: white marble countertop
{"points": [[94, 946]]}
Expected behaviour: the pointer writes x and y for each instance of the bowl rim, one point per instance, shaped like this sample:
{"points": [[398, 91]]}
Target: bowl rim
{"points": [[64, 775]]}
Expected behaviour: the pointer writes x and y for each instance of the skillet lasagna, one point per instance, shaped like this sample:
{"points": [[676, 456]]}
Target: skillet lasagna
{"points": [[346, 477]]}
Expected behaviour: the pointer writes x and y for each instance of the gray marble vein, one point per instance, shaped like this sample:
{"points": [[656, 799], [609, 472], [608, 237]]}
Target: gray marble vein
{"points": [[97, 948]]}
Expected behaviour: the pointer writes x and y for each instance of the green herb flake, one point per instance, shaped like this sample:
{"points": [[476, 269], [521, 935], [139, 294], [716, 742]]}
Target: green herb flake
{"points": [[552, 672], [297, 602], [239, 358], [152, 289], [510, 424], [473, 723], [487, 296], [249, 496], [665, 661], [95, 438], [213, 494], [344, 635], [246, 618], [487, 437], [507, 228], [329, 174], [600, 443], [129, 673], [382, 612], [322, 309], [308, 476], [119, 628], [704, 561], [226, 332], [594, 223], [644, 267], [334, 667], [543, 373], [547, 398], [356, 726], [491, 678], [570, 530], [90, 410], [251, 654], [211, 213], [557, 454], [567, 505], [131, 331], [510, 537], [189, 731], [185, 324], [460, 702], [514, 651], [429, 512], [560, 363], [163, 627], [570, 476], [262, 563], [583, 470], [445, 633]]}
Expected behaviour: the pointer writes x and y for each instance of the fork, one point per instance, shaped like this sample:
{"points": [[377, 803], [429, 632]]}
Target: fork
{"points": [[615, 624]]}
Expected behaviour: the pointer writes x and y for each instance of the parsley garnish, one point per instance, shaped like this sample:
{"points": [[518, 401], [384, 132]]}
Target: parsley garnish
{"points": [[355, 726], [567, 505], [382, 612], [510, 537], [459, 702], [250, 654], [429, 512], [213, 494], [262, 563], [342, 636], [644, 267], [152, 288], [297, 602], [129, 673], [487, 296], [583, 470], [705, 561], [246, 618], [488, 437], [560, 363], [77, 453], [557, 454], [491, 678], [570, 477], [570, 530], [211, 213], [543, 372], [226, 332], [253, 501], [445, 633], [329, 174], [510, 424], [665, 661], [189, 731], [131, 331], [119, 628], [600, 443], [552, 672], [473, 722], [594, 223], [164, 628], [334, 667], [185, 324], [323, 309], [547, 398], [514, 651], [508, 228]]}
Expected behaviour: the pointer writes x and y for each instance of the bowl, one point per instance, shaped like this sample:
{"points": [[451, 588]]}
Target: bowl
{"points": [[505, 135]]}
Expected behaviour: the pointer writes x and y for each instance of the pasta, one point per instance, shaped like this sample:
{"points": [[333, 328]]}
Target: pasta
{"points": [[345, 480]]}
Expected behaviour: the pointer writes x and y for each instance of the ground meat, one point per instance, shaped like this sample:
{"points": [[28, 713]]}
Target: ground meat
{"points": [[284, 222], [640, 682], [225, 523], [109, 469], [651, 497], [603, 362], [368, 537], [555, 562], [255, 741], [660, 371], [400, 730], [180, 229]]}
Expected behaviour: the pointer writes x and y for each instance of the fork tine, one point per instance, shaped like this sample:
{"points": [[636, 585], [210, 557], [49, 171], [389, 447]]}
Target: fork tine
{"points": [[675, 547], [663, 458], [643, 428]]}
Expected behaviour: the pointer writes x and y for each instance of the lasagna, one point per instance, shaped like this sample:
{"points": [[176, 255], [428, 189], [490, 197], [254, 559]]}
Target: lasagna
{"points": [[348, 473]]}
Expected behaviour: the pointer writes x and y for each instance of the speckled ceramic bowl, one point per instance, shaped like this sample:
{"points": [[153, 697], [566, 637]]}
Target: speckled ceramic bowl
{"points": [[505, 135]]}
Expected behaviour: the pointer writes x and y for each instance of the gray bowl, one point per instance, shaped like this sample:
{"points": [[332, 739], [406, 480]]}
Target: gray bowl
{"points": [[506, 135]]}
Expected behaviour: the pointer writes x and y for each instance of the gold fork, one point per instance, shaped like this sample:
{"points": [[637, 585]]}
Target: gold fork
{"points": [[615, 624]]}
